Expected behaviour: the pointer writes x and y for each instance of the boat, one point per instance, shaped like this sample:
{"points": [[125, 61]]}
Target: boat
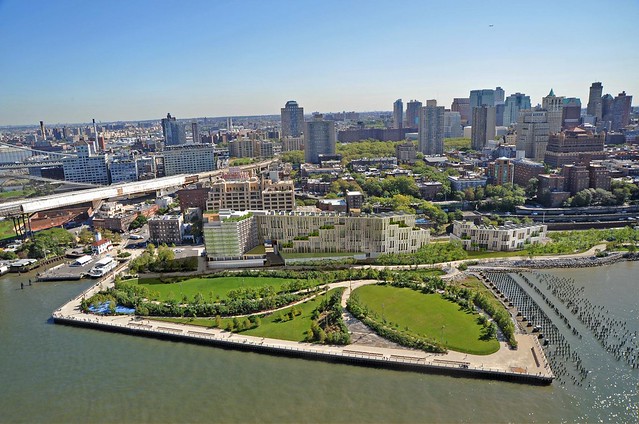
{"points": [[102, 267]]}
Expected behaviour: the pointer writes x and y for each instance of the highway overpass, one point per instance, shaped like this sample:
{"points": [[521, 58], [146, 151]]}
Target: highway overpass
{"points": [[31, 206]]}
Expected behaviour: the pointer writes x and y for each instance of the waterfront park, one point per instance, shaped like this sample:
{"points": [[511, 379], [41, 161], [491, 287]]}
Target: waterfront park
{"points": [[412, 308]]}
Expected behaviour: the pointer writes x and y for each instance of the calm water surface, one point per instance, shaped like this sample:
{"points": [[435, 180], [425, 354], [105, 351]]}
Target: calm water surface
{"points": [[54, 373]]}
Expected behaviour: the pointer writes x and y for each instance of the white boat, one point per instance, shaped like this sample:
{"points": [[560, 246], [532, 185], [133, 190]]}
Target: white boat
{"points": [[102, 267]]}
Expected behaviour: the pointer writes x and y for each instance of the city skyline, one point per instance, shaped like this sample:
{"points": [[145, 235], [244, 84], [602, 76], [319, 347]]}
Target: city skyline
{"points": [[68, 62]]}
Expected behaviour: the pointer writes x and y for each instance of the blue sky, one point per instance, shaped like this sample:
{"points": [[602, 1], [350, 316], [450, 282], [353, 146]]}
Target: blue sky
{"points": [[70, 61]]}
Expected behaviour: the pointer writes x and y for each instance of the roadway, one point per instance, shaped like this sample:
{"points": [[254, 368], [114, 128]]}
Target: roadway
{"points": [[30, 206]]}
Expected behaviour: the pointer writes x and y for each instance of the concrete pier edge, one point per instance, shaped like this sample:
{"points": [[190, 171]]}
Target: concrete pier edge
{"points": [[271, 347]]}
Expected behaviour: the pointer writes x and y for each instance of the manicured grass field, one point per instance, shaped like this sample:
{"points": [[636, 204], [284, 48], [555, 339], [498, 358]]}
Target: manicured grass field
{"points": [[210, 287], [286, 255], [15, 194], [288, 329], [476, 254], [428, 315], [6, 229]]}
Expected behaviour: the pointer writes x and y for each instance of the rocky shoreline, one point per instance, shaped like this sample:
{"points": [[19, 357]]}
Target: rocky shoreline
{"points": [[563, 262]]}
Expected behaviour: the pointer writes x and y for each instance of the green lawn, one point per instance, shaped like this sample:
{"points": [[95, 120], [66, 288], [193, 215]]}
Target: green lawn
{"points": [[15, 194], [288, 329], [456, 143], [6, 229], [428, 315], [217, 286], [476, 254], [287, 255], [257, 250], [294, 329]]}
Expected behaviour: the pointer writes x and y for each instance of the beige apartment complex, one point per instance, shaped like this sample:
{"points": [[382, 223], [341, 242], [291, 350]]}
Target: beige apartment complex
{"points": [[502, 238], [251, 194], [330, 232]]}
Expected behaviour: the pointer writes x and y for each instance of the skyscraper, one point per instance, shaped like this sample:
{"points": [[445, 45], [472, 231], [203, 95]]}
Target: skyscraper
{"points": [[431, 129], [292, 119], [514, 103], [398, 113], [319, 138], [173, 131], [499, 96], [196, 133], [621, 106], [606, 110], [532, 133], [461, 105], [480, 98], [594, 100], [483, 128], [554, 107], [412, 113], [571, 113], [452, 125]]}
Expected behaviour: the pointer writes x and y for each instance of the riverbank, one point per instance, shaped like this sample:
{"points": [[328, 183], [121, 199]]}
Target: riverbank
{"points": [[558, 262], [524, 365]]}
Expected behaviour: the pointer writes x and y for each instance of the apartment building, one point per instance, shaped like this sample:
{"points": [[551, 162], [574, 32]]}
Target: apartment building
{"points": [[230, 236], [506, 237], [331, 232], [251, 194], [167, 229]]}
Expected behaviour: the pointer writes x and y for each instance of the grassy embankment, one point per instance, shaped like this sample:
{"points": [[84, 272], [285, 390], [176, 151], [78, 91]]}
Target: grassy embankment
{"points": [[277, 325], [427, 315], [212, 288], [6, 229]]}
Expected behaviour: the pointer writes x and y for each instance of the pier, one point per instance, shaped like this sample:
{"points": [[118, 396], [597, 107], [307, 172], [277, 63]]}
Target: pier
{"points": [[524, 365]]}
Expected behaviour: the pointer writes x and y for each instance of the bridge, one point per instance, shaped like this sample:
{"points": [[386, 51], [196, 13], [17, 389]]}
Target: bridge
{"points": [[36, 152], [30, 206]]}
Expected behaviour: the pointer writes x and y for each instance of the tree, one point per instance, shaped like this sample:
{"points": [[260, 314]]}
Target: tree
{"points": [[85, 236], [531, 187], [295, 157], [165, 254], [150, 249], [138, 222]]}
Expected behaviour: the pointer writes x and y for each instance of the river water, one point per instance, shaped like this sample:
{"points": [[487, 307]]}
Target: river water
{"points": [[55, 373]]}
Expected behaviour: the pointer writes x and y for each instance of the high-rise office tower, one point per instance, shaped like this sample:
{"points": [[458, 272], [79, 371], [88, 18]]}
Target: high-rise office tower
{"points": [[606, 110], [292, 119], [480, 98], [621, 106], [514, 103], [499, 96], [452, 125], [461, 105], [398, 113], [319, 139], [483, 128], [412, 113], [554, 107], [43, 131], [594, 100], [571, 113], [499, 114], [431, 129], [173, 131], [532, 133], [195, 130]]}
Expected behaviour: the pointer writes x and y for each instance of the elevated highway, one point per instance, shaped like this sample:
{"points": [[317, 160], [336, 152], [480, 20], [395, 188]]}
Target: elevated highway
{"points": [[30, 206]]}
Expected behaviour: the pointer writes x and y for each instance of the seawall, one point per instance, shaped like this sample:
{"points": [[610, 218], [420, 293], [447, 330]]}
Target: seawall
{"points": [[347, 354]]}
